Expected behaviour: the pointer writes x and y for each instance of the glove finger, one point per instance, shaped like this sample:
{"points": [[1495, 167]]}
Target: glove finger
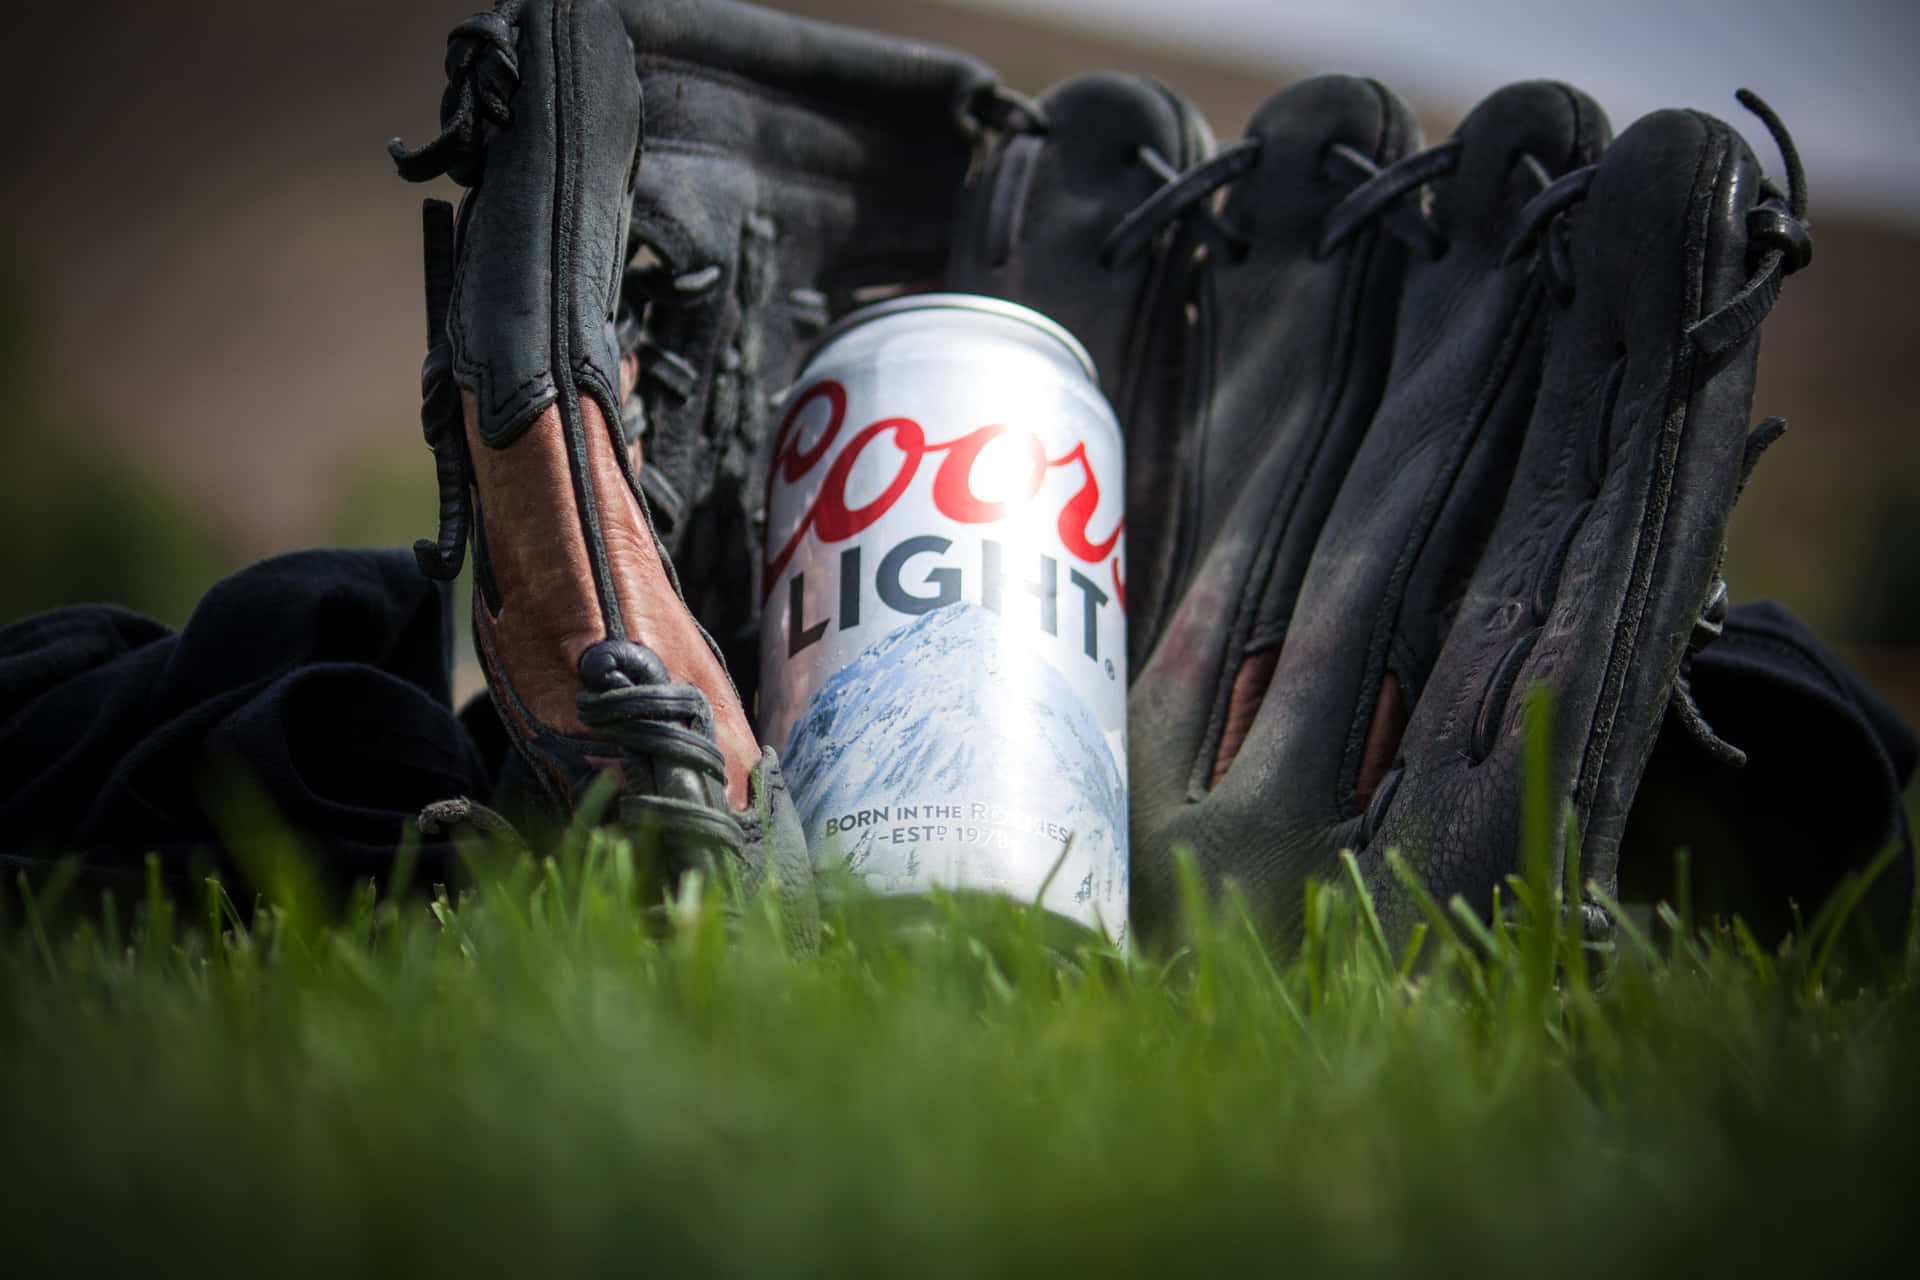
{"points": [[1605, 550], [1470, 332], [1037, 227], [1287, 376], [1298, 324], [1412, 511], [1035, 219]]}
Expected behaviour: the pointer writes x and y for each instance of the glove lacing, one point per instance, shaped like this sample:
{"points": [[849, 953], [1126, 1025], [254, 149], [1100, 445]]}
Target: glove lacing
{"points": [[483, 70], [629, 700], [1179, 192], [1777, 226], [1378, 195]]}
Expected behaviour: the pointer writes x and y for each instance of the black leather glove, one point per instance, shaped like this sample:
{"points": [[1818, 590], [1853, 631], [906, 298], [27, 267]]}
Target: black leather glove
{"points": [[1419, 429]]}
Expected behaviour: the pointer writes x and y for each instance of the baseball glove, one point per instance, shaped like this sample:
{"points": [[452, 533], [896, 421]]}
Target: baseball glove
{"points": [[665, 199], [1409, 431]]}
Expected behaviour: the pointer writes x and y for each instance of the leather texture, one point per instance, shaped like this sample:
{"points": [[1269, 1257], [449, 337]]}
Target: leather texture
{"points": [[534, 317], [1408, 431], [1289, 354], [1524, 481]]}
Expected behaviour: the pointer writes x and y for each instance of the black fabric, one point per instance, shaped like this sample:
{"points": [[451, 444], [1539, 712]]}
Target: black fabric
{"points": [[1820, 795], [322, 677]]}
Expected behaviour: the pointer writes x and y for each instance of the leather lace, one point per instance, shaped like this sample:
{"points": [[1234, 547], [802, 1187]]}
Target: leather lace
{"points": [[1179, 192], [1004, 110], [1379, 195], [483, 70], [1778, 226], [671, 722], [1540, 222]]}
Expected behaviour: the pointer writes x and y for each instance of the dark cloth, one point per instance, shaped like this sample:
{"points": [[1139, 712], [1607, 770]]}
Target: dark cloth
{"points": [[315, 686], [1820, 795], [322, 680]]}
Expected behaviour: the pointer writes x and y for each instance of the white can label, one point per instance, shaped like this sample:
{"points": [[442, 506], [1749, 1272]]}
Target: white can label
{"points": [[944, 635]]}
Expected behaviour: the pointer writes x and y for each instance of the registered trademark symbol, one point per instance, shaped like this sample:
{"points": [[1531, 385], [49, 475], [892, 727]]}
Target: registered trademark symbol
{"points": [[1109, 668]]}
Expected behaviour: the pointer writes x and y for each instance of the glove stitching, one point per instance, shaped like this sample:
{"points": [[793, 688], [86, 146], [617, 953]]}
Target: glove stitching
{"points": [[1284, 510], [1709, 175], [1195, 312], [562, 304], [1528, 316]]}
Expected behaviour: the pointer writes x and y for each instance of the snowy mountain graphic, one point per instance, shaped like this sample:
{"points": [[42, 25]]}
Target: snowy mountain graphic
{"points": [[919, 719]]}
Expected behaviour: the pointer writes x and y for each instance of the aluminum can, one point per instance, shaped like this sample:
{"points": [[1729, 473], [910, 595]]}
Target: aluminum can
{"points": [[943, 638]]}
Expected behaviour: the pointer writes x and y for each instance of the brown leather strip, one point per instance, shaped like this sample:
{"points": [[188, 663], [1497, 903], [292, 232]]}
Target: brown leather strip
{"points": [[652, 609], [548, 610], [506, 702], [1243, 704], [1382, 747]]}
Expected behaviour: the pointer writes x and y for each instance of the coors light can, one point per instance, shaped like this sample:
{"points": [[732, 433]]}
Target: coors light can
{"points": [[943, 645]]}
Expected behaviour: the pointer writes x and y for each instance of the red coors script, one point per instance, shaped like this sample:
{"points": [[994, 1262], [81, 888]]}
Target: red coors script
{"points": [[831, 520]]}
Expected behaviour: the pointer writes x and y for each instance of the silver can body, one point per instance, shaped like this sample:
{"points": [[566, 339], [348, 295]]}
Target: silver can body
{"points": [[943, 636]]}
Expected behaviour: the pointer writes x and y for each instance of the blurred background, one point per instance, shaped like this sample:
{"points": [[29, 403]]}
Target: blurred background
{"points": [[210, 304]]}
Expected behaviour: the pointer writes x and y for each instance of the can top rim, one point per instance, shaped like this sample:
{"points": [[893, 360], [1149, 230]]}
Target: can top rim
{"points": [[956, 302]]}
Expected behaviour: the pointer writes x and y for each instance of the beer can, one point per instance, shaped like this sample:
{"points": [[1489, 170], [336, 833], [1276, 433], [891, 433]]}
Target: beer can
{"points": [[943, 636]]}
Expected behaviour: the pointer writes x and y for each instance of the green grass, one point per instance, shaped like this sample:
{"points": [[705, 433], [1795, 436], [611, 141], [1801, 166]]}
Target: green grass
{"points": [[539, 1075]]}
